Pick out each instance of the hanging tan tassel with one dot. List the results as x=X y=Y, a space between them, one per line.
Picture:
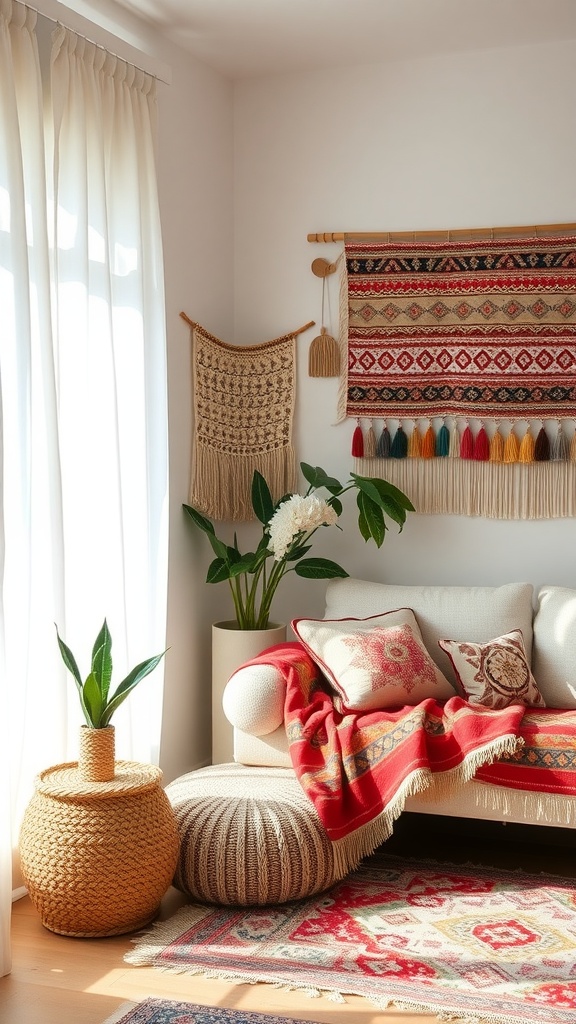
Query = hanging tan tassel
x=511 y=448
x=324 y=356
x=526 y=453
x=370 y=443
x=573 y=448
x=415 y=444
x=497 y=447
x=429 y=444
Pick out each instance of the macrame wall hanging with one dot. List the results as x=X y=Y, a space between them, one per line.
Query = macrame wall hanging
x=461 y=370
x=243 y=412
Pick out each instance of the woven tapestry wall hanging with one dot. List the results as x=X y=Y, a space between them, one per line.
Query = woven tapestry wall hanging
x=243 y=412
x=461 y=371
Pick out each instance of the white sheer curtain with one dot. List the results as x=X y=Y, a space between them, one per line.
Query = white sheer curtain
x=111 y=371
x=83 y=421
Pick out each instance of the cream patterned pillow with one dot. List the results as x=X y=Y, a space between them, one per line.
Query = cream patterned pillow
x=494 y=674
x=379 y=662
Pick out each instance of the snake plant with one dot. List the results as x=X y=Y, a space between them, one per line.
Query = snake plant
x=98 y=705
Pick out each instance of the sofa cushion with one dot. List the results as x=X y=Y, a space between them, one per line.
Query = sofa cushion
x=462 y=613
x=554 y=658
x=494 y=674
x=378 y=662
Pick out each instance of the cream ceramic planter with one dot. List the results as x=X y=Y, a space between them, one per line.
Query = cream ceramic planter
x=231 y=647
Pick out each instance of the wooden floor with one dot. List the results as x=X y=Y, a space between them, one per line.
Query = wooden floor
x=56 y=980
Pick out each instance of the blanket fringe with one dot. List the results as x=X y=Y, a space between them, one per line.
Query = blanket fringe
x=350 y=850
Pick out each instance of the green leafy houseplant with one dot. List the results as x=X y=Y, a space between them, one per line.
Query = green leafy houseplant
x=287 y=528
x=98 y=705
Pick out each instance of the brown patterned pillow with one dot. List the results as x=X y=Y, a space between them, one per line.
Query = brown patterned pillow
x=494 y=674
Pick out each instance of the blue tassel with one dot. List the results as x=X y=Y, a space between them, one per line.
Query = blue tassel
x=399 y=449
x=443 y=441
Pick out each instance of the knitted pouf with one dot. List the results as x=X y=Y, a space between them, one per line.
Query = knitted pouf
x=248 y=836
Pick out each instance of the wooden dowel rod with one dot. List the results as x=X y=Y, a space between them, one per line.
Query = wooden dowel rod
x=305 y=327
x=516 y=231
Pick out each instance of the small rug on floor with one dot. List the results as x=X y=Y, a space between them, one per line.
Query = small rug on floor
x=483 y=944
x=169 y=1011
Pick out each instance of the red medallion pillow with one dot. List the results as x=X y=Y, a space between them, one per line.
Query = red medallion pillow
x=379 y=662
x=494 y=674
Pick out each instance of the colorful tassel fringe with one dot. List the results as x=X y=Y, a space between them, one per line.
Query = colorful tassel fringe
x=479 y=447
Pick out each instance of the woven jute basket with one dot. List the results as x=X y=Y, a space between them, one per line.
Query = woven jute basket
x=97 y=857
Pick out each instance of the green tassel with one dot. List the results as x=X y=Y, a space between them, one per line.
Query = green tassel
x=399 y=449
x=443 y=441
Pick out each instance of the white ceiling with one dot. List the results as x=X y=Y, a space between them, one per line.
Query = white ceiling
x=246 y=38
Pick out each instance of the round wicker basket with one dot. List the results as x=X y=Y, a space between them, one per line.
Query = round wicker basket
x=97 y=857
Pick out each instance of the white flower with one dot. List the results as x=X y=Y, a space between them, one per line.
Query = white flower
x=298 y=515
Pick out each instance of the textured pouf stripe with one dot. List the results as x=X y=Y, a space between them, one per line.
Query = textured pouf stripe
x=248 y=836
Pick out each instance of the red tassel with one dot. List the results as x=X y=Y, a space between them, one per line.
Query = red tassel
x=358 y=443
x=467 y=444
x=481 y=446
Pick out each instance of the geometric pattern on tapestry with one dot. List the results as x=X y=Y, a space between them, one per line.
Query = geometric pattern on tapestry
x=465 y=350
x=483 y=329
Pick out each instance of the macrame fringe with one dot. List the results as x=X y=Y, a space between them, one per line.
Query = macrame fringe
x=497 y=490
x=221 y=485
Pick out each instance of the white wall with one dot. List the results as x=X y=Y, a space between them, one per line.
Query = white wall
x=479 y=139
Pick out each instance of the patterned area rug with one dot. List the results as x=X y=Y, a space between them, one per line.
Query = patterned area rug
x=168 y=1011
x=459 y=941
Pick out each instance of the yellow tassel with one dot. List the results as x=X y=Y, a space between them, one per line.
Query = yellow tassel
x=526 y=453
x=324 y=356
x=429 y=444
x=573 y=448
x=511 y=448
x=497 y=447
x=370 y=443
x=415 y=444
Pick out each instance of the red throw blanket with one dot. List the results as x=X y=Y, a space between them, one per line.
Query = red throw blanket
x=358 y=768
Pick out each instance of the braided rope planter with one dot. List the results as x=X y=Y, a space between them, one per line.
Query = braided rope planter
x=97 y=857
x=248 y=836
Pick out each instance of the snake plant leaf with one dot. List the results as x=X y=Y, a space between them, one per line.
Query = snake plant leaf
x=127 y=685
x=319 y=569
x=261 y=498
x=102 y=660
x=69 y=660
x=93 y=700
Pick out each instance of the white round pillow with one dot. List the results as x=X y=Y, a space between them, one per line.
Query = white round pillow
x=253 y=700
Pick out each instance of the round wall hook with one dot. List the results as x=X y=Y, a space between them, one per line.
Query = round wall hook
x=322 y=267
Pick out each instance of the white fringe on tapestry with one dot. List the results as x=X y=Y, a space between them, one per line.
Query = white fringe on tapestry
x=538 y=490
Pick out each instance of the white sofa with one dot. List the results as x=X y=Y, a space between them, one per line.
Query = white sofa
x=254 y=697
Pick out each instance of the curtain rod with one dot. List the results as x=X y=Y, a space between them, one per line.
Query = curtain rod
x=532 y=230
x=59 y=14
